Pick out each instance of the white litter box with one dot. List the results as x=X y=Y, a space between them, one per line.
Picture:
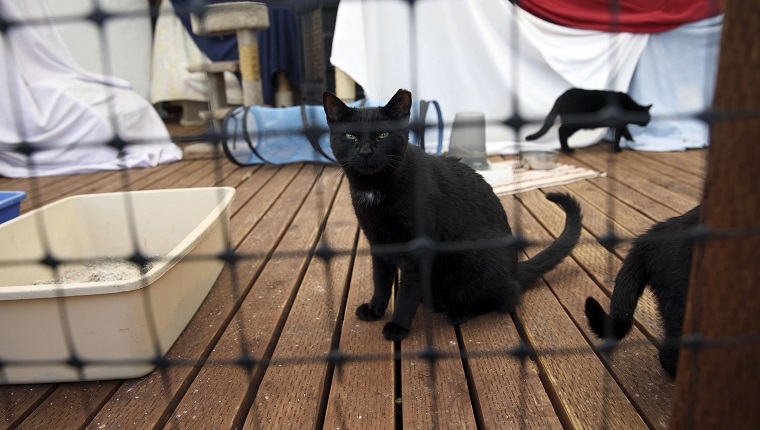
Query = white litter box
x=123 y=324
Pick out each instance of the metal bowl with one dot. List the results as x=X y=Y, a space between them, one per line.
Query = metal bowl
x=539 y=160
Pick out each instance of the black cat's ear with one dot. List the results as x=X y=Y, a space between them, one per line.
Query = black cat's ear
x=648 y=107
x=399 y=105
x=335 y=109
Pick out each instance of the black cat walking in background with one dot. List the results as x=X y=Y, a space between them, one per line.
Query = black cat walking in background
x=661 y=258
x=391 y=181
x=584 y=103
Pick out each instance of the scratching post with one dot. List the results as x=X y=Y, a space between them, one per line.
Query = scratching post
x=345 y=87
x=217 y=88
x=244 y=19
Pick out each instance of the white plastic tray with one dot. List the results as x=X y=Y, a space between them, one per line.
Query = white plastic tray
x=118 y=326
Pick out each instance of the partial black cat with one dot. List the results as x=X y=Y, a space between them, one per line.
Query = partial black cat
x=665 y=266
x=391 y=181
x=577 y=101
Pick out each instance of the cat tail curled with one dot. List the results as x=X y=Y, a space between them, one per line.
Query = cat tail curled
x=528 y=271
x=548 y=122
x=629 y=285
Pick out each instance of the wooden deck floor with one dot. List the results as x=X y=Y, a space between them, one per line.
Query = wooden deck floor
x=285 y=307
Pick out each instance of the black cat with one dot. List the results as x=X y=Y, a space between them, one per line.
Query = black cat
x=576 y=106
x=661 y=257
x=401 y=193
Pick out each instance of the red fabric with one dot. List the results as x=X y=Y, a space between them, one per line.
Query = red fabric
x=632 y=16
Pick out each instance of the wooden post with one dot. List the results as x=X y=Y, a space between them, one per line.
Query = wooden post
x=345 y=87
x=718 y=387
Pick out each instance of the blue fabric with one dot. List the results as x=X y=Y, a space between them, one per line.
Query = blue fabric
x=676 y=74
x=216 y=48
x=262 y=135
x=278 y=50
x=278 y=45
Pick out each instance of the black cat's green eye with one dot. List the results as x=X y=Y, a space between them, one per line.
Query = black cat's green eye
x=350 y=136
x=382 y=135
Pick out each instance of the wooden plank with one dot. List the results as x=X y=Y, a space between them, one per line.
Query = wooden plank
x=18 y=401
x=596 y=221
x=221 y=168
x=362 y=393
x=70 y=406
x=293 y=391
x=609 y=207
x=635 y=364
x=248 y=216
x=684 y=183
x=434 y=396
x=640 y=182
x=112 y=183
x=593 y=257
x=198 y=171
x=631 y=196
x=220 y=395
x=635 y=180
x=577 y=379
x=146 y=402
x=507 y=391
x=655 y=162
x=629 y=164
x=253 y=181
x=46 y=189
x=693 y=161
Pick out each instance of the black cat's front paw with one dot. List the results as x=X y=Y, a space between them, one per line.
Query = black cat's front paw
x=395 y=332
x=366 y=313
x=568 y=150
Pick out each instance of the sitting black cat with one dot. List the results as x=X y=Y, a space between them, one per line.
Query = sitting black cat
x=575 y=105
x=663 y=264
x=401 y=193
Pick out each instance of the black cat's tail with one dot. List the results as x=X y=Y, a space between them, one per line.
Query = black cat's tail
x=548 y=122
x=530 y=270
x=629 y=285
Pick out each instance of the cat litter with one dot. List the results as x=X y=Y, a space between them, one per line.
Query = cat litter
x=99 y=270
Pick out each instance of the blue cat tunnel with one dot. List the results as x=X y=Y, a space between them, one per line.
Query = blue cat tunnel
x=264 y=135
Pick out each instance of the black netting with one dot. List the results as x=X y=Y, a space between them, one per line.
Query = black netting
x=292 y=223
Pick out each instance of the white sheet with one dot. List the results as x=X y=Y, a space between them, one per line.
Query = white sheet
x=66 y=113
x=122 y=49
x=479 y=56
x=676 y=74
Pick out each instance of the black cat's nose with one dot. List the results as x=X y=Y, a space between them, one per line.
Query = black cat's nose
x=366 y=152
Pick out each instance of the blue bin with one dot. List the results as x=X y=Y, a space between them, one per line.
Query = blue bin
x=10 y=202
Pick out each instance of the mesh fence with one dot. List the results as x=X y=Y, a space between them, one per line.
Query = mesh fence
x=315 y=240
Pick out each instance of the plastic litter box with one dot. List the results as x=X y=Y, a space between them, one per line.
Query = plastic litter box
x=10 y=204
x=117 y=328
